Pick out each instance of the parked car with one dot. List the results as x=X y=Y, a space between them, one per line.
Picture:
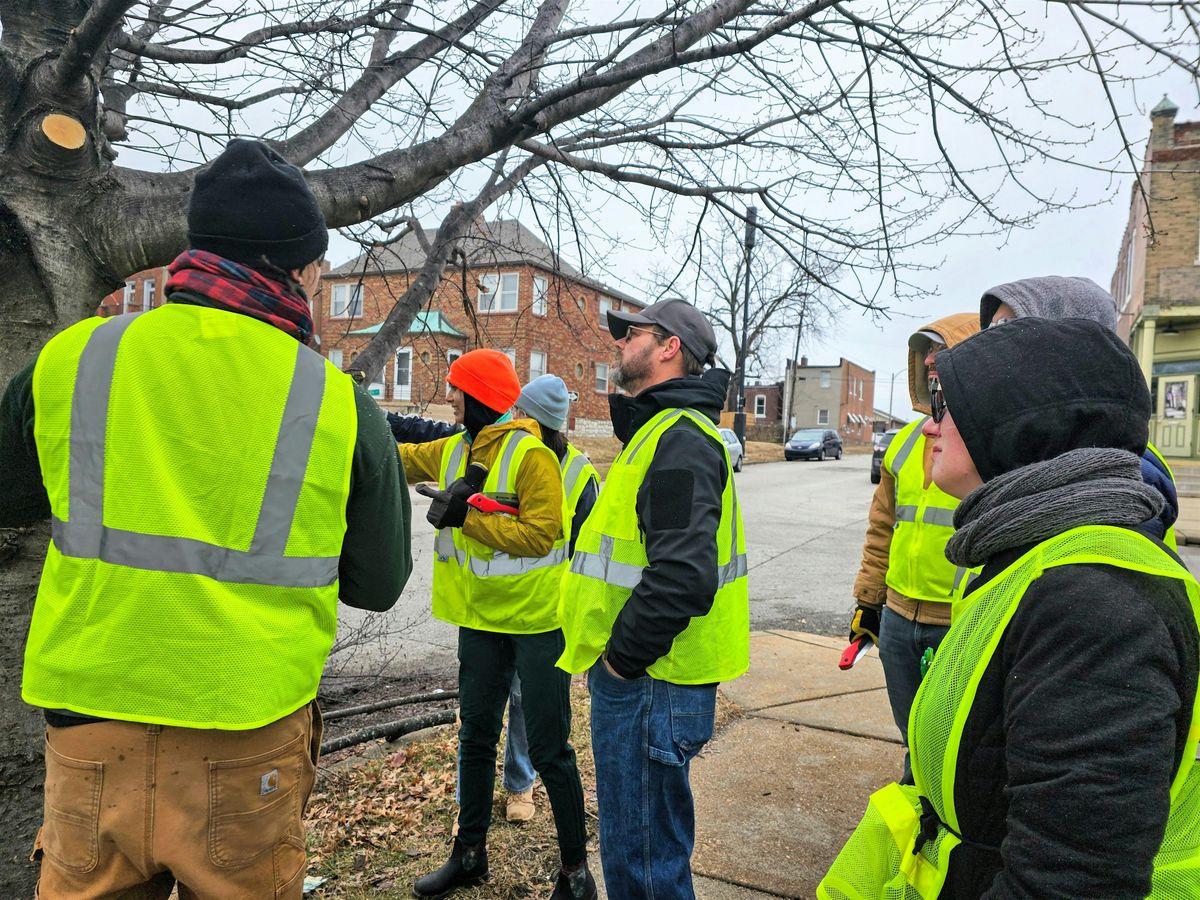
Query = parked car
x=813 y=443
x=734 y=446
x=879 y=445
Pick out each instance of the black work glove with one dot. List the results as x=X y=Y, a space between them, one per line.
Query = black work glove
x=448 y=509
x=865 y=621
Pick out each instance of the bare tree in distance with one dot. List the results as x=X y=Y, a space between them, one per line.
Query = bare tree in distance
x=784 y=297
x=862 y=130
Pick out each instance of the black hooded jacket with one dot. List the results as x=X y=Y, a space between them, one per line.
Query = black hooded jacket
x=678 y=511
x=1079 y=722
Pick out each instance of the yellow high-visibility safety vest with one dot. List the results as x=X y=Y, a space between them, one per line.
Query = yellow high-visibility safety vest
x=879 y=860
x=610 y=555
x=477 y=586
x=917 y=564
x=197 y=463
x=577 y=473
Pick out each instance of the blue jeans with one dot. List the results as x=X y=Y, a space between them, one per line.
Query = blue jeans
x=645 y=733
x=902 y=643
x=519 y=773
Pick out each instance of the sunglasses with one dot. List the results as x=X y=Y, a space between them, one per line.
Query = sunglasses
x=653 y=332
x=937 y=400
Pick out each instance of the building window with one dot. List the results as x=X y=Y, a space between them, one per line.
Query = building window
x=403 y=374
x=760 y=404
x=512 y=355
x=537 y=364
x=602 y=378
x=581 y=303
x=425 y=358
x=335 y=357
x=541 y=288
x=346 y=301
x=605 y=306
x=826 y=379
x=499 y=293
x=148 y=293
x=452 y=355
x=578 y=370
x=127 y=297
x=822 y=417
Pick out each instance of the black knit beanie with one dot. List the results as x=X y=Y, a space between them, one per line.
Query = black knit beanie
x=251 y=204
x=1030 y=390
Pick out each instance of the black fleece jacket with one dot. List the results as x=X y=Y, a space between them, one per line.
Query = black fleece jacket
x=1076 y=732
x=678 y=511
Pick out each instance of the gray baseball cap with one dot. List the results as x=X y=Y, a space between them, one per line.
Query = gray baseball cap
x=677 y=317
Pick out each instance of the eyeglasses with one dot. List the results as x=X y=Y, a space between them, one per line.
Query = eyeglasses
x=653 y=332
x=937 y=400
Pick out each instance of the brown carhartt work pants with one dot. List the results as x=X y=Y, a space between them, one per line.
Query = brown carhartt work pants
x=132 y=809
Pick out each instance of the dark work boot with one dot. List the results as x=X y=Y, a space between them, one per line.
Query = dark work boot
x=577 y=885
x=467 y=867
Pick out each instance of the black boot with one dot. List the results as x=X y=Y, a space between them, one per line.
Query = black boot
x=577 y=885
x=467 y=867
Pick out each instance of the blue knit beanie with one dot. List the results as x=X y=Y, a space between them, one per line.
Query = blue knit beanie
x=545 y=399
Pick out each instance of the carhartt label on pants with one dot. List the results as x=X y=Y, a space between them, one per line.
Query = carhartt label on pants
x=269 y=783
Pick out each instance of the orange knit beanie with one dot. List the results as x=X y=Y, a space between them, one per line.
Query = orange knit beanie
x=488 y=376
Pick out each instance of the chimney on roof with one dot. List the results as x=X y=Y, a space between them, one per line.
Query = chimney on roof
x=1162 y=125
x=803 y=361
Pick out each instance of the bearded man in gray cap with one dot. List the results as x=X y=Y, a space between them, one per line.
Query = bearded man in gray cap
x=655 y=606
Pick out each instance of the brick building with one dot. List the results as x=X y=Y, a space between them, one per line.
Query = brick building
x=840 y=396
x=1157 y=286
x=142 y=291
x=509 y=291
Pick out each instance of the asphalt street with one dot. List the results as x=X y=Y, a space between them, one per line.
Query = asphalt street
x=804 y=529
x=805 y=523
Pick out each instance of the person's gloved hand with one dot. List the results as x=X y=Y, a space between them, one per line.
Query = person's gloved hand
x=447 y=509
x=865 y=621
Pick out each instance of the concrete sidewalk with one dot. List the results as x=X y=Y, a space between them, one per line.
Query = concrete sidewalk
x=780 y=789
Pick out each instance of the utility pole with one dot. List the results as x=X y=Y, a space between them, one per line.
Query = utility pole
x=791 y=385
x=739 y=417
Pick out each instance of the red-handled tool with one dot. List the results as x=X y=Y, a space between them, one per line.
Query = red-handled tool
x=855 y=651
x=486 y=504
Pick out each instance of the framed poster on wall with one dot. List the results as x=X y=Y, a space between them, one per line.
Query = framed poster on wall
x=1175 y=400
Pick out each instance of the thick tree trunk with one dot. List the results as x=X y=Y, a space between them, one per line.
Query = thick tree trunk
x=21 y=554
x=46 y=288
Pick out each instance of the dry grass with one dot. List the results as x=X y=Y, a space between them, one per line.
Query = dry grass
x=374 y=828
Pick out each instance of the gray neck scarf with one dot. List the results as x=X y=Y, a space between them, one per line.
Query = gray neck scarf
x=1089 y=486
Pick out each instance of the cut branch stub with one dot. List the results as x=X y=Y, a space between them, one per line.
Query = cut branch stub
x=64 y=131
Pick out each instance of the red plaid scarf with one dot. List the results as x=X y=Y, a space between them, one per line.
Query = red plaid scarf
x=228 y=285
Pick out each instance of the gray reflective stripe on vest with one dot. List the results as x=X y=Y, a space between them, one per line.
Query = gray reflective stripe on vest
x=667 y=421
x=503 y=564
x=935 y=515
x=443 y=538
x=503 y=484
x=572 y=473
x=902 y=454
x=85 y=536
x=456 y=457
x=961 y=572
x=603 y=567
